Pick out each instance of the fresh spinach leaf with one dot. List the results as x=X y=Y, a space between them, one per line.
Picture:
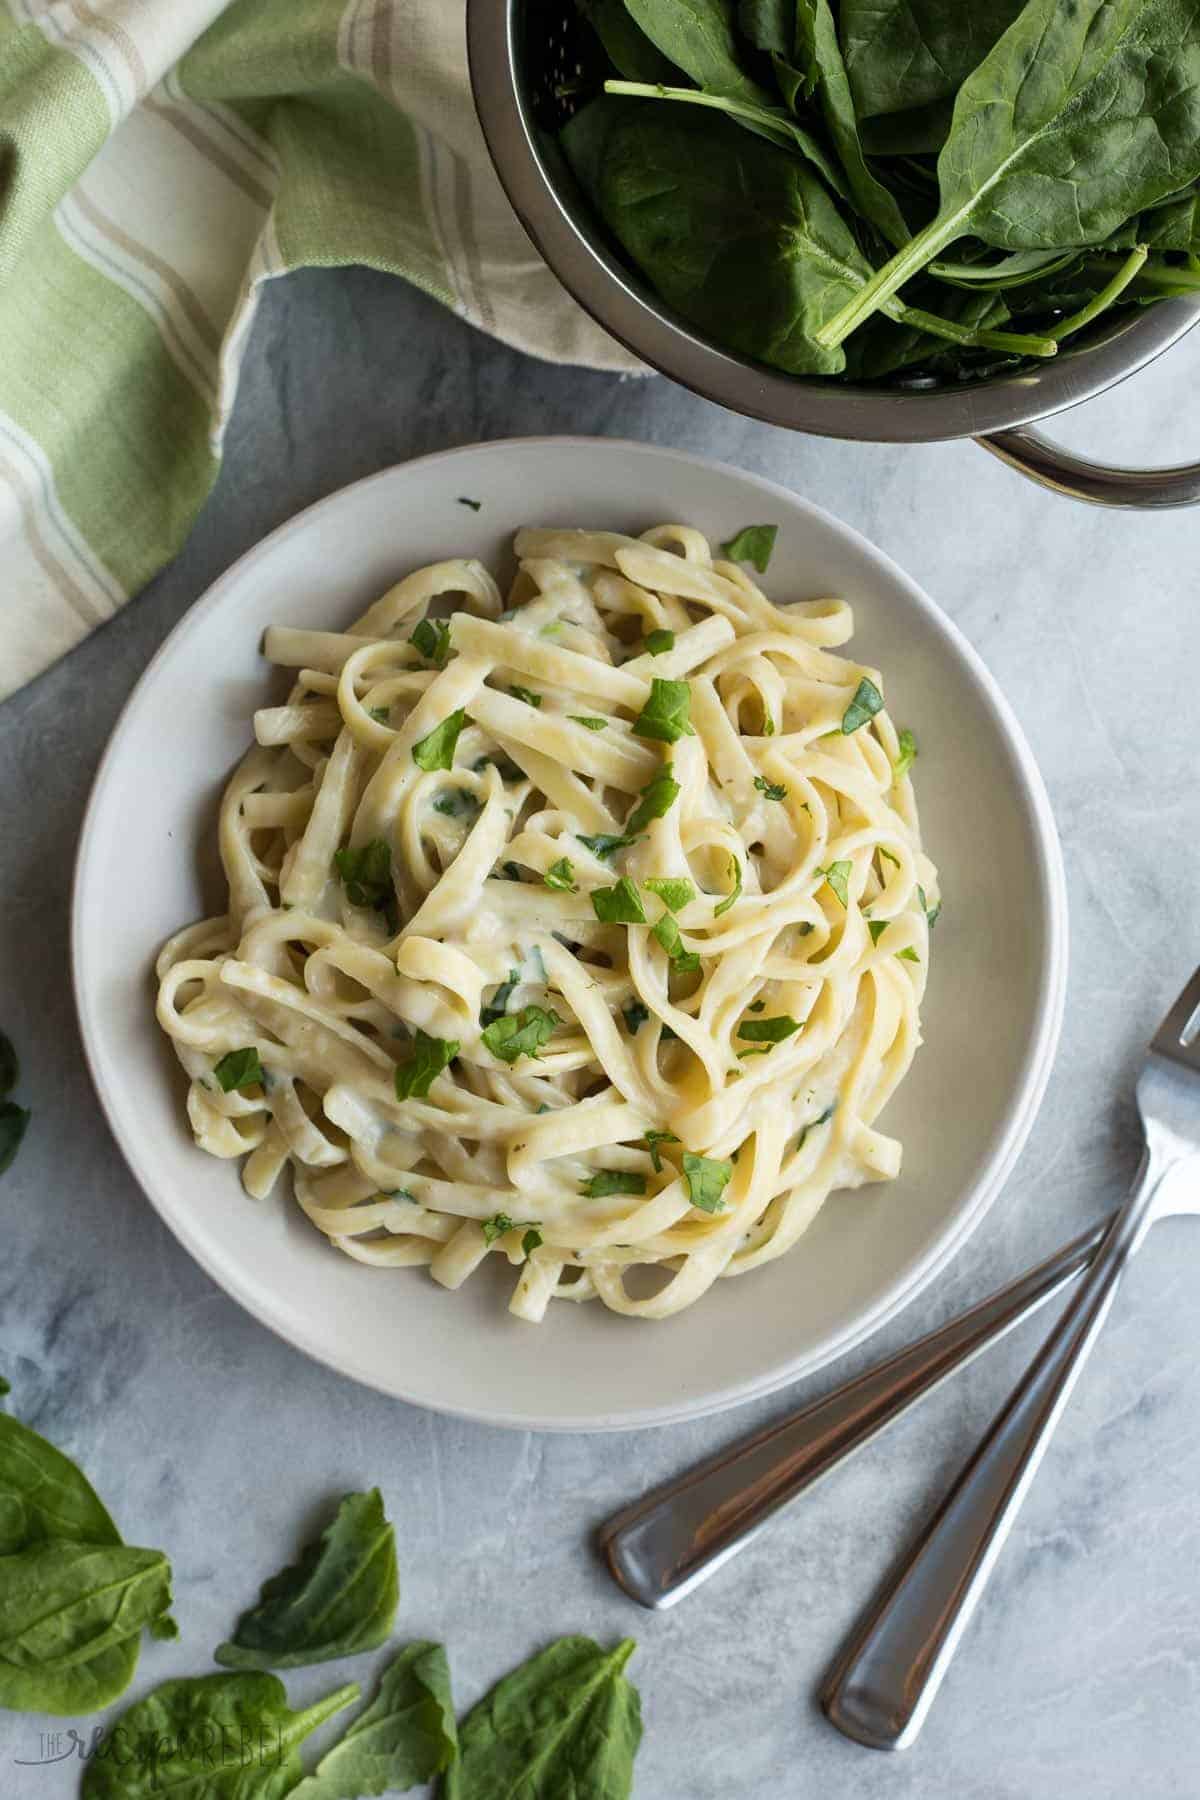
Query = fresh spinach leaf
x=567 y=1722
x=71 y=1615
x=210 y=1737
x=820 y=50
x=1072 y=123
x=44 y=1496
x=905 y=54
x=698 y=37
x=340 y=1598
x=769 y=25
x=666 y=930
x=528 y=695
x=628 y=47
x=405 y=1736
x=561 y=875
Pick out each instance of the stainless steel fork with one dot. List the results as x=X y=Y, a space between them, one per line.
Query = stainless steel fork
x=882 y=1685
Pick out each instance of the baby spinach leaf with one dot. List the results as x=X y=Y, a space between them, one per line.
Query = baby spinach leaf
x=628 y=47
x=697 y=36
x=208 y=1737
x=1078 y=117
x=567 y=1722
x=817 y=35
x=903 y=54
x=774 y=123
x=44 y=1496
x=339 y=1599
x=70 y=1619
x=769 y=24
x=733 y=232
x=405 y=1736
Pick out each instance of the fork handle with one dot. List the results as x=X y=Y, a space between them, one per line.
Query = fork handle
x=883 y=1683
x=666 y=1543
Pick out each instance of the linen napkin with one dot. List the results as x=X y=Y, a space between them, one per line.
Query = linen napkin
x=160 y=160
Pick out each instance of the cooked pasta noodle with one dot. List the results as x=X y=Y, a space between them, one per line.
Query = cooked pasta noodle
x=585 y=928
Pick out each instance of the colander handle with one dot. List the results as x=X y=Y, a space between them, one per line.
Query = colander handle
x=1103 y=484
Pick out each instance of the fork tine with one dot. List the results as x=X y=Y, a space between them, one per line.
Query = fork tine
x=1179 y=1034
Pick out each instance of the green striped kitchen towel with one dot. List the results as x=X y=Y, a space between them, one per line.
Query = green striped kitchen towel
x=161 y=159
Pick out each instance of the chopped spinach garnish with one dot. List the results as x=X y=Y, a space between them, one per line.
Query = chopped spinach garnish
x=613 y=1181
x=561 y=875
x=635 y=1014
x=239 y=1069
x=866 y=703
x=589 y=721
x=619 y=905
x=497 y=1226
x=521 y=1033
x=707 y=1178
x=906 y=754
x=674 y=894
x=381 y=714
x=877 y=927
x=757 y=1007
x=932 y=913
x=652 y=1139
x=464 y=500
x=908 y=954
x=665 y=715
x=528 y=695
x=497 y=1006
x=659 y=642
x=887 y=856
x=768 y=1031
x=436 y=749
x=366 y=874
x=753 y=544
x=731 y=896
x=432 y=638
x=823 y=1120
x=533 y=1240
x=605 y=844
x=658 y=797
x=771 y=790
x=666 y=930
x=457 y=803
x=430 y=1056
x=838 y=876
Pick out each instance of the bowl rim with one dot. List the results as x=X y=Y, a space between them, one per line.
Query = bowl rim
x=999 y=1155
x=629 y=311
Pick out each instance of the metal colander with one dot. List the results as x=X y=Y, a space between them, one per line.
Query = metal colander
x=533 y=62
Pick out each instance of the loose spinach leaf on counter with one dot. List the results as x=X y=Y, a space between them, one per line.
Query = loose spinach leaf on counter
x=567 y=1722
x=208 y=1737
x=405 y=1736
x=71 y=1616
x=339 y=1599
x=44 y=1496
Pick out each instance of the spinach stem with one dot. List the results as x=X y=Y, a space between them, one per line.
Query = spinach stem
x=1014 y=342
x=906 y=263
x=1128 y=271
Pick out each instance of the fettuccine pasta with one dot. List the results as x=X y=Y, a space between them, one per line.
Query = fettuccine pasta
x=584 y=927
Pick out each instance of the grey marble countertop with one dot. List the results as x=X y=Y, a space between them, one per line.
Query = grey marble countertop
x=1081 y=1671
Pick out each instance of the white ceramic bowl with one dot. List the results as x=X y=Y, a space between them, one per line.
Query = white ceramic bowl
x=991 y=1016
